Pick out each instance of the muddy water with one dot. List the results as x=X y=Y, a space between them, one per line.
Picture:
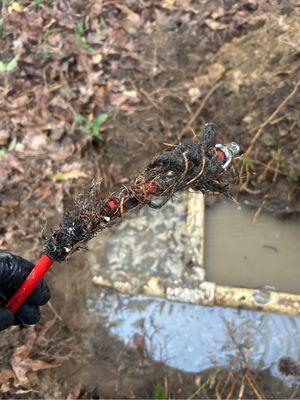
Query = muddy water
x=193 y=338
x=242 y=253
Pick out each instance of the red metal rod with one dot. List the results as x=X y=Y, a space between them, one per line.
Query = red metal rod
x=30 y=283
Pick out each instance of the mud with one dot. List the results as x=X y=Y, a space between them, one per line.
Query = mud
x=185 y=63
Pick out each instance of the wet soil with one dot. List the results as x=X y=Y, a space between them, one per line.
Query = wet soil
x=160 y=70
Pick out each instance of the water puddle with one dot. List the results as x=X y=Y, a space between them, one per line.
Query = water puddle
x=241 y=253
x=194 y=338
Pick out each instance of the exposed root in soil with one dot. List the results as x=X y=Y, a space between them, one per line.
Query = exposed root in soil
x=271 y=118
x=259 y=131
x=194 y=165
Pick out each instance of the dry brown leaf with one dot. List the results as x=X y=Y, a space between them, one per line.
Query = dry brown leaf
x=169 y=4
x=13 y=163
x=132 y=22
x=21 y=363
x=5 y=376
x=218 y=13
x=186 y=6
x=129 y=97
x=35 y=141
x=194 y=94
x=97 y=58
x=4 y=136
x=21 y=101
x=65 y=176
x=216 y=71
x=59 y=151
x=214 y=25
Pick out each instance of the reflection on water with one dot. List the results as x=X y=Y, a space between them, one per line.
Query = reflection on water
x=193 y=338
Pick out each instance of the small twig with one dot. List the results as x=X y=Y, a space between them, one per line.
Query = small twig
x=149 y=98
x=56 y=315
x=228 y=379
x=200 y=173
x=260 y=208
x=271 y=117
x=256 y=215
x=199 y=109
x=241 y=391
x=232 y=388
x=206 y=383
x=264 y=173
x=256 y=389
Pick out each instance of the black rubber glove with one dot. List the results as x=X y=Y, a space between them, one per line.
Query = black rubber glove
x=13 y=271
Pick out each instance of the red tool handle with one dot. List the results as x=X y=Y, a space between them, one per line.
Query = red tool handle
x=30 y=283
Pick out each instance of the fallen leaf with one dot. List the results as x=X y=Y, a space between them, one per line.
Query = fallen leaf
x=214 y=25
x=130 y=93
x=97 y=58
x=216 y=71
x=35 y=141
x=15 y=7
x=65 y=176
x=194 y=94
x=218 y=13
x=127 y=97
x=4 y=135
x=59 y=151
x=14 y=164
x=169 y=4
x=132 y=22
x=10 y=66
x=12 y=144
x=21 y=363
x=5 y=376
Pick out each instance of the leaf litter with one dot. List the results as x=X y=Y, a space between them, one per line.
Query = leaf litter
x=155 y=69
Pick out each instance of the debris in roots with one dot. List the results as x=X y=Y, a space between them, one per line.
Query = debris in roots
x=195 y=165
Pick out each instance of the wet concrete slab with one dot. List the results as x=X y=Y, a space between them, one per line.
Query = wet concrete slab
x=157 y=252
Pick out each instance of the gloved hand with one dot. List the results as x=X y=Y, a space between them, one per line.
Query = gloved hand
x=13 y=271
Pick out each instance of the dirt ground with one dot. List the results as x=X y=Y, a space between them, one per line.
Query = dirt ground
x=92 y=90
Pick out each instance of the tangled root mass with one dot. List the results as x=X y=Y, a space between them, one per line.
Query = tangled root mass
x=193 y=165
